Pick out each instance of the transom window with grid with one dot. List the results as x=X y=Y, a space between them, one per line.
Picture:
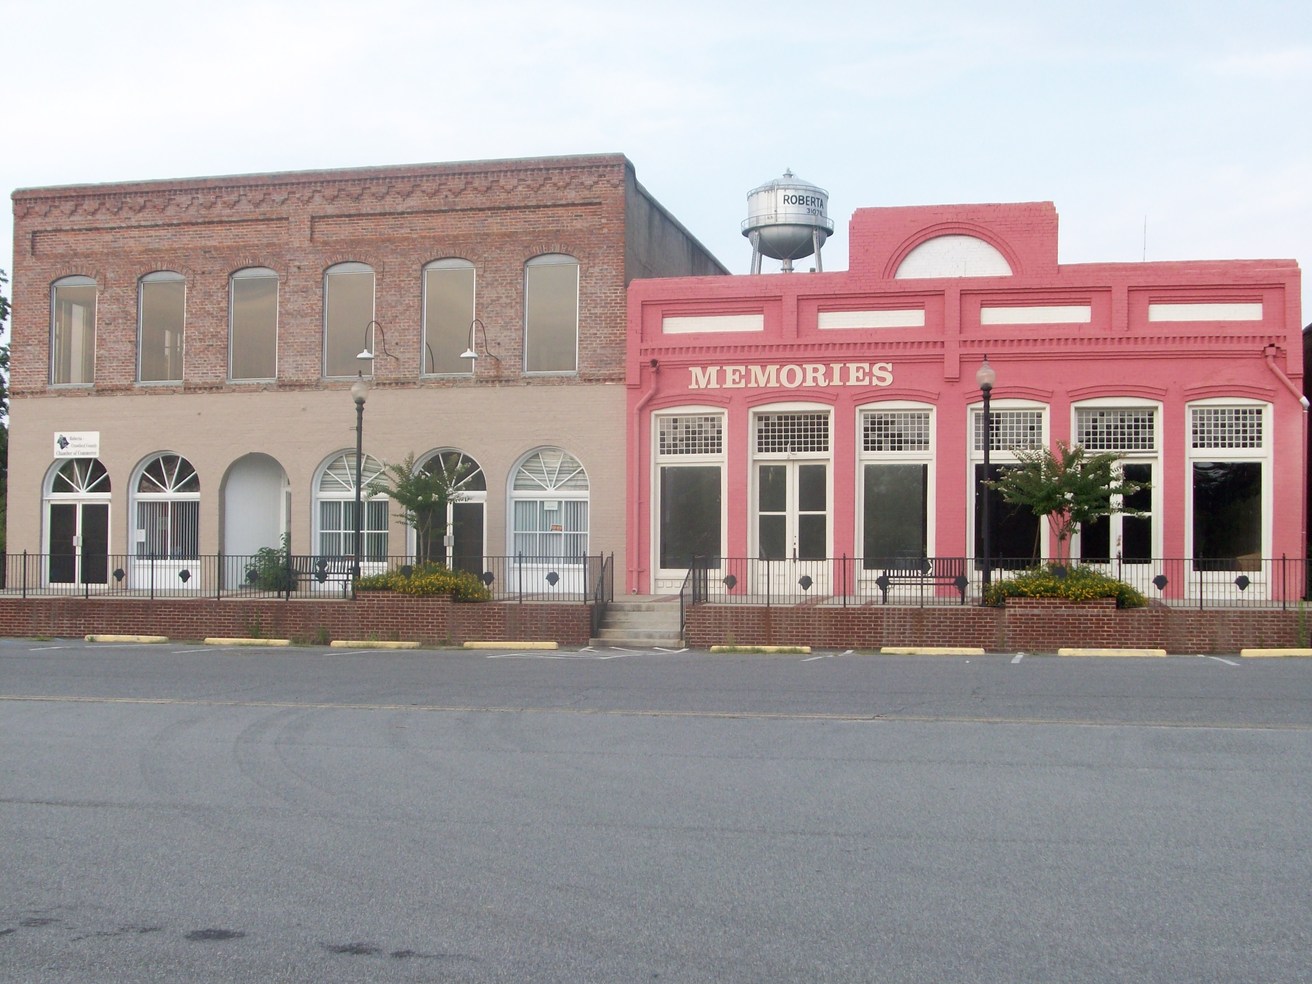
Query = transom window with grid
x=690 y=434
x=895 y=430
x=1116 y=429
x=1226 y=428
x=792 y=433
x=1010 y=429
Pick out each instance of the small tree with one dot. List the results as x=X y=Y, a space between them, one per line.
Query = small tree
x=423 y=495
x=1068 y=486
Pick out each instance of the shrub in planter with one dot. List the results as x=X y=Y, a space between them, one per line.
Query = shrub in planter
x=270 y=569
x=1068 y=584
x=428 y=581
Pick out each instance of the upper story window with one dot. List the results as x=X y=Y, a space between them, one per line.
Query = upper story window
x=348 y=307
x=551 y=314
x=448 y=313
x=161 y=307
x=73 y=331
x=253 y=324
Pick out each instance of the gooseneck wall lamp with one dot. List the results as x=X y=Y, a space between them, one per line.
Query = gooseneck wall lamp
x=373 y=331
x=471 y=352
x=985 y=377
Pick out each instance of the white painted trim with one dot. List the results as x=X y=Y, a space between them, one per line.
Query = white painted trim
x=1051 y=314
x=1205 y=312
x=716 y=323
x=901 y=318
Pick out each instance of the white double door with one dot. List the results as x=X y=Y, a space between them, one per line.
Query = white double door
x=792 y=527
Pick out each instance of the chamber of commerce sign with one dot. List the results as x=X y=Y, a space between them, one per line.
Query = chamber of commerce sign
x=791 y=375
x=77 y=444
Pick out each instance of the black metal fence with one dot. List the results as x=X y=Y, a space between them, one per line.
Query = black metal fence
x=930 y=581
x=273 y=574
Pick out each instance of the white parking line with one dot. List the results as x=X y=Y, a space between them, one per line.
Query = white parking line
x=1018 y=657
x=1227 y=662
x=582 y=654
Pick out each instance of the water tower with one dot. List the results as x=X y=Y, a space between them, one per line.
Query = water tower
x=787 y=219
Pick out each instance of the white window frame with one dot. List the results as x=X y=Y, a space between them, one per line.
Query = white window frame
x=461 y=328
x=672 y=578
x=564 y=485
x=252 y=273
x=161 y=276
x=334 y=481
x=783 y=576
x=468 y=496
x=85 y=334
x=1224 y=578
x=551 y=259
x=1131 y=456
x=999 y=456
x=351 y=268
x=911 y=457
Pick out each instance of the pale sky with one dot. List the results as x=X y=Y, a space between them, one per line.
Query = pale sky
x=1162 y=130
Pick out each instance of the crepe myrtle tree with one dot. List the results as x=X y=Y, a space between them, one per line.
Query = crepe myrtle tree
x=1069 y=486
x=423 y=493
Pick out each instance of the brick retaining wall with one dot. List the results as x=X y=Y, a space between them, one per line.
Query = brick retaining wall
x=1024 y=625
x=381 y=616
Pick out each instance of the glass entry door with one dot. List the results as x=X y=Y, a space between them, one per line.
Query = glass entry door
x=79 y=543
x=792 y=527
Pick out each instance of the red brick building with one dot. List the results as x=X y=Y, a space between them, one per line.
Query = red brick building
x=183 y=354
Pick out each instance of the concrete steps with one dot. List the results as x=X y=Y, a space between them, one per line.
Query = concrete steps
x=641 y=622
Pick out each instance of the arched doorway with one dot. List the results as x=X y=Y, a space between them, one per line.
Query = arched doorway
x=256 y=512
x=77 y=523
x=463 y=522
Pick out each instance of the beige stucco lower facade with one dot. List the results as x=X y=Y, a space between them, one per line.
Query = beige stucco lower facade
x=301 y=432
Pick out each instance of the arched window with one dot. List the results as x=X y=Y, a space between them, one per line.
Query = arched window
x=161 y=315
x=549 y=500
x=73 y=331
x=953 y=256
x=166 y=503
x=551 y=314
x=335 y=509
x=348 y=307
x=448 y=313
x=463 y=521
x=253 y=324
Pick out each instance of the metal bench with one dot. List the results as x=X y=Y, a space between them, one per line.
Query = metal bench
x=321 y=570
x=948 y=572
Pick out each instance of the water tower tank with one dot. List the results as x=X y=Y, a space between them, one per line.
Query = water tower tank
x=787 y=219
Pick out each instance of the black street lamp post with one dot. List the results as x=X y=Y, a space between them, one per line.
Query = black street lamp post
x=359 y=393
x=985 y=377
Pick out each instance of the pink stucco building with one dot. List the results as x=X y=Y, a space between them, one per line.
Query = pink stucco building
x=832 y=422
